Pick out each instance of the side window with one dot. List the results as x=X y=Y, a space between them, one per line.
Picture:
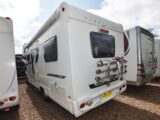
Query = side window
x=32 y=61
x=32 y=57
x=51 y=50
x=37 y=54
x=102 y=45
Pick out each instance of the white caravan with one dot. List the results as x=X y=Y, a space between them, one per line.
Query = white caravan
x=139 y=53
x=157 y=54
x=76 y=59
x=8 y=79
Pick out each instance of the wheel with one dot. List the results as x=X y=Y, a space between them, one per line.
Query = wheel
x=26 y=79
x=46 y=98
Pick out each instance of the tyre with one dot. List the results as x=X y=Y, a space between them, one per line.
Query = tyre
x=46 y=98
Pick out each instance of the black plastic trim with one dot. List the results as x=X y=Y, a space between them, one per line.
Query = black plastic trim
x=56 y=75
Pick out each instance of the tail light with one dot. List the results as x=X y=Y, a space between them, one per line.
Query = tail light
x=5 y=100
x=7 y=109
x=140 y=65
x=104 y=30
x=1 y=103
x=140 y=68
x=12 y=98
x=82 y=105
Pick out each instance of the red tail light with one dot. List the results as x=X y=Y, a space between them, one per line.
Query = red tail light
x=5 y=100
x=140 y=65
x=82 y=105
x=7 y=109
x=1 y=103
x=12 y=98
x=140 y=69
x=104 y=30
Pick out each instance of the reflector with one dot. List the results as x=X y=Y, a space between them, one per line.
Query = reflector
x=82 y=105
x=12 y=98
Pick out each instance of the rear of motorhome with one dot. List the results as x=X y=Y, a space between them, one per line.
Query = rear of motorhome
x=76 y=59
x=8 y=87
x=157 y=54
x=140 y=54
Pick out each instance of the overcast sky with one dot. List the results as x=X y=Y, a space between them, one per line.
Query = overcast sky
x=29 y=15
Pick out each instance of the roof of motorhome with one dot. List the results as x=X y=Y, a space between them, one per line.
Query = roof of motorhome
x=78 y=14
x=5 y=26
x=157 y=39
x=143 y=30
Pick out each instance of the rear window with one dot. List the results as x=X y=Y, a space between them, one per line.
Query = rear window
x=102 y=45
x=50 y=50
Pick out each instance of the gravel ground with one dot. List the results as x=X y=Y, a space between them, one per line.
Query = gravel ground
x=135 y=104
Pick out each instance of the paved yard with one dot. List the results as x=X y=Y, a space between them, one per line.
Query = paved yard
x=135 y=104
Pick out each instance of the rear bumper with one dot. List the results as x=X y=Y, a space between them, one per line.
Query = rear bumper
x=9 y=108
x=97 y=100
x=10 y=104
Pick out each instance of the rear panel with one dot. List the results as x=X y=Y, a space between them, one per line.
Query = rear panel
x=8 y=85
x=84 y=63
x=147 y=48
x=157 y=54
x=140 y=56
x=131 y=55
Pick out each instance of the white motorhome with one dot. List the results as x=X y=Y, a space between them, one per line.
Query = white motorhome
x=76 y=59
x=9 y=86
x=140 y=54
x=157 y=54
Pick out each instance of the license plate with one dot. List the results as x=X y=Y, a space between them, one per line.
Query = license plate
x=106 y=94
